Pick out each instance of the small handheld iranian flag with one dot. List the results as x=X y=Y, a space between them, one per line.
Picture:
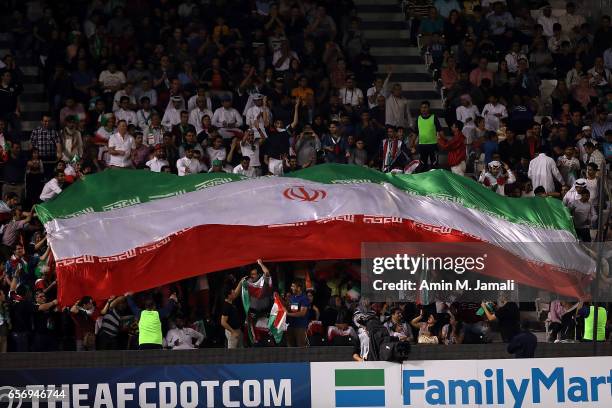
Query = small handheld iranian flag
x=277 y=323
x=252 y=293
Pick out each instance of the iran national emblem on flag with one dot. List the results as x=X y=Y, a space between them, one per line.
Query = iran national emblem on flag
x=277 y=322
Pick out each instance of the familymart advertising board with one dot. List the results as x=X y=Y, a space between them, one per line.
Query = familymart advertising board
x=569 y=382
x=560 y=382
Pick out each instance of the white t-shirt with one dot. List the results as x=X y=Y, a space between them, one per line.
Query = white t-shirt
x=127 y=115
x=216 y=154
x=230 y=116
x=156 y=164
x=464 y=113
x=50 y=190
x=372 y=91
x=250 y=172
x=187 y=166
x=125 y=144
x=253 y=113
x=489 y=111
x=252 y=151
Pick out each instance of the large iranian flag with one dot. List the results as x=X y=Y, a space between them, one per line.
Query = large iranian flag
x=131 y=230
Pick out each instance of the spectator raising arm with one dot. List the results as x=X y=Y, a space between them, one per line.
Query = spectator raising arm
x=111 y=303
x=264 y=268
x=415 y=322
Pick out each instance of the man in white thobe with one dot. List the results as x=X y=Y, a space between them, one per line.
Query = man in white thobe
x=172 y=115
x=196 y=114
x=543 y=171
x=227 y=119
x=574 y=192
x=255 y=114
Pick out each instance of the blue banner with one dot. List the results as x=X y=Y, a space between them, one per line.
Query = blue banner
x=232 y=385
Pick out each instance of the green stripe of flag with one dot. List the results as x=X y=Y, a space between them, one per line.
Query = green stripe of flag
x=360 y=377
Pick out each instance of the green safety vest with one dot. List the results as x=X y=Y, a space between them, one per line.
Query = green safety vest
x=602 y=318
x=149 y=328
x=427 y=130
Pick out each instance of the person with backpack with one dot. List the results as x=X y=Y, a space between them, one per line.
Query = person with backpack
x=382 y=346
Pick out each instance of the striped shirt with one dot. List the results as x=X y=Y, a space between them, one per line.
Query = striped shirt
x=111 y=323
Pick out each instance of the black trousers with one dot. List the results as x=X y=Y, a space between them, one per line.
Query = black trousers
x=428 y=154
x=149 y=346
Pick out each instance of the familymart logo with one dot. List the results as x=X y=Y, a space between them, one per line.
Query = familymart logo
x=360 y=387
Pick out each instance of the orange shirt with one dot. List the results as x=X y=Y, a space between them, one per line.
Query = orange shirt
x=302 y=93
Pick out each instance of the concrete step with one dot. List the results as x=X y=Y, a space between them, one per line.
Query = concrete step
x=34 y=106
x=387 y=34
x=33 y=88
x=409 y=77
x=382 y=25
x=400 y=60
x=30 y=70
x=30 y=115
x=395 y=16
x=395 y=51
x=375 y=2
x=386 y=42
x=402 y=69
x=415 y=104
x=378 y=8
x=418 y=86
x=33 y=98
x=29 y=125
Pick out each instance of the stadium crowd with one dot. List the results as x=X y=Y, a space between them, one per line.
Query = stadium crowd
x=263 y=87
